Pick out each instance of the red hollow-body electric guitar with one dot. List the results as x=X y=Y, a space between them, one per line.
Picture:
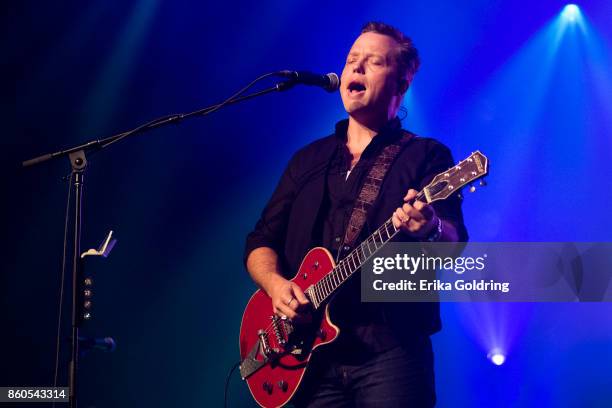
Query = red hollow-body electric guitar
x=274 y=352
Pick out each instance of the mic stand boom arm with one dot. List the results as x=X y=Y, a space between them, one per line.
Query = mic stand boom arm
x=98 y=144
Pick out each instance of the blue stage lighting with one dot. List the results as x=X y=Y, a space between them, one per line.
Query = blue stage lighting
x=497 y=357
x=570 y=12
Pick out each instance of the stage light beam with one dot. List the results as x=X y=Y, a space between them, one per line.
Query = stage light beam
x=497 y=357
x=570 y=12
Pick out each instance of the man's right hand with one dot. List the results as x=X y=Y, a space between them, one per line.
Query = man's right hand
x=288 y=299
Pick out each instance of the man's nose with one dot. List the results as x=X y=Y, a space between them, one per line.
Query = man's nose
x=358 y=67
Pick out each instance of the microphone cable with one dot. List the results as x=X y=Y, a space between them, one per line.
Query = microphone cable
x=61 y=293
x=180 y=116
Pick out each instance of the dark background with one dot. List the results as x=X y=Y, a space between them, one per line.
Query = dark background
x=518 y=80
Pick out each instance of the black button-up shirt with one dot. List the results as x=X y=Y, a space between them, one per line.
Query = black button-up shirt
x=311 y=206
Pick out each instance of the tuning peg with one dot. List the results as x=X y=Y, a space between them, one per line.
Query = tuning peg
x=482 y=182
x=472 y=188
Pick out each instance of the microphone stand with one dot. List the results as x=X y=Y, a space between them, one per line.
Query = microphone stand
x=78 y=162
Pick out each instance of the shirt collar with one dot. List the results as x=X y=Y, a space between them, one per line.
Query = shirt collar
x=387 y=134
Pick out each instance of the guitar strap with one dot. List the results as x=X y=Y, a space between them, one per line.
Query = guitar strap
x=371 y=187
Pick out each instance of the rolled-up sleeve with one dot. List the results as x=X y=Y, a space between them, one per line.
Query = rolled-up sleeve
x=271 y=228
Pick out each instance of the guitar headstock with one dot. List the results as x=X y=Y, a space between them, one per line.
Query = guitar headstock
x=465 y=172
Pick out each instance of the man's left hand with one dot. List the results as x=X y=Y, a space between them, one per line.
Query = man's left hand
x=416 y=220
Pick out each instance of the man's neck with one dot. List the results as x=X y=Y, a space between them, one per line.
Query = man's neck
x=360 y=134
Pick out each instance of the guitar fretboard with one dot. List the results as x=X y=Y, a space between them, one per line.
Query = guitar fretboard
x=321 y=291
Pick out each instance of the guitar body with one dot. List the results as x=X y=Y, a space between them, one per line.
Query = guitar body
x=275 y=353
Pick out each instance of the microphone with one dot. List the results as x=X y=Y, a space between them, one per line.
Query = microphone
x=98 y=343
x=330 y=82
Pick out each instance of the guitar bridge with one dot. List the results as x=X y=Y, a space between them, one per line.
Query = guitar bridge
x=282 y=329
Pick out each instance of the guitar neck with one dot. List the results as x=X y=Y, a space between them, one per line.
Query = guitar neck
x=448 y=182
x=323 y=289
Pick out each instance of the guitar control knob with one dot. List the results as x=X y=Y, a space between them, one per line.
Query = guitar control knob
x=267 y=387
x=321 y=334
x=282 y=384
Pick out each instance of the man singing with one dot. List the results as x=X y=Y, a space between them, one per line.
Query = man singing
x=383 y=355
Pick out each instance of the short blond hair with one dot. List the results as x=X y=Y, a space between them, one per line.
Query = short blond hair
x=408 y=57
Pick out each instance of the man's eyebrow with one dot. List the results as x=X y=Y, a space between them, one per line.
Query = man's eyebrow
x=369 y=54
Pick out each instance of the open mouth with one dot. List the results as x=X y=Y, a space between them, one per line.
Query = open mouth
x=355 y=87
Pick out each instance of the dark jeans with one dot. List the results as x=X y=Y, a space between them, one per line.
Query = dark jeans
x=400 y=377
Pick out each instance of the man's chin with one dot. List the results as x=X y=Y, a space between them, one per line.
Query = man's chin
x=355 y=107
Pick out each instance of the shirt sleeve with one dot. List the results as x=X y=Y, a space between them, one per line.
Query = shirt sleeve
x=271 y=228
x=439 y=159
